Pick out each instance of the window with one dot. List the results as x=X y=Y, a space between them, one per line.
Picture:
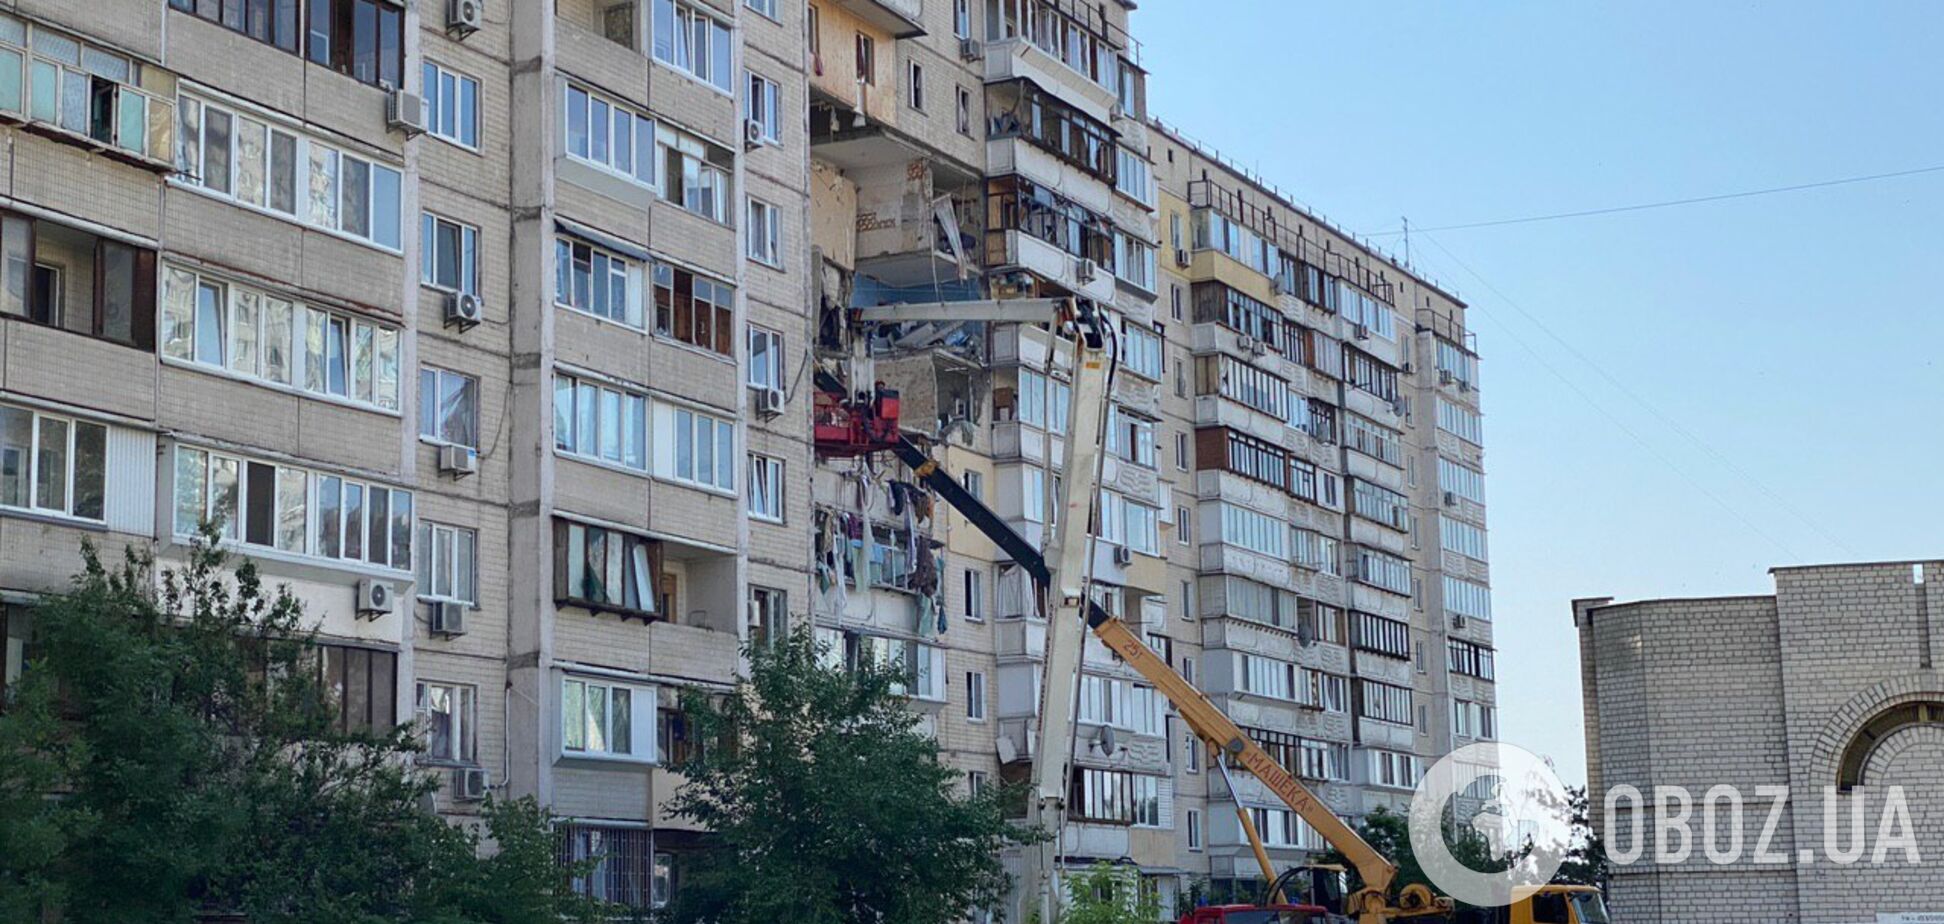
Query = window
x=1033 y=495
x=975 y=696
x=1130 y=438
x=1181 y=451
x=292 y=509
x=257 y=335
x=690 y=40
x=448 y=711
x=1319 y=621
x=765 y=7
x=1473 y=720
x=1464 y=598
x=962 y=111
x=701 y=448
x=1461 y=422
x=974 y=484
x=1382 y=569
x=694 y=309
x=1216 y=231
x=1395 y=770
x=271 y=21
x=607 y=571
x=1469 y=659
x=1323 y=760
x=1240 y=382
x=1134 y=263
x=1237 y=452
x=1140 y=351
x=1379 y=504
x=1461 y=537
x=762 y=104
x=1184 y=526
x=17 y=648
x=110 y=286
x=769 y=616
x=1032 y=398
x=977 y=782
x=962 y=18
x=1014 y=203
x=596 y=281
x=928 y=664
x=766 y=360
x=359 y=38
x=765 y=488
x=52 y=464
x=600 y=423
x=1382 y=702
x=448 y=407
x=1266 y=676
x=1364 y=371
x=1253 y=530
x=1147 y=801
x=602 y=718
x=1134 y=177
x=1465 y=482
x=915 y=86
x=365 y=683
x=1258 y=602
x=866 y=60
x=1328 y=692
x=1457 y=363
x=602 y=132
x=764 y=233
x=448 y=567
x=1365 y=311
x=974 y=595
x=449 y=257
x=626 y=874
x=232 y=155
x=452 y=105
x=1102 y=796
x=1380 y=635
x=1194 y=826
x=1316 y=551
x=1371 y=439
x=82 y=89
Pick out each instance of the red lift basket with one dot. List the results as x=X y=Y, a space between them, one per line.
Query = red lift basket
x=865 y=424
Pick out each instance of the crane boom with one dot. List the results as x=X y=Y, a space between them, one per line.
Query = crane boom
x=1371 y=904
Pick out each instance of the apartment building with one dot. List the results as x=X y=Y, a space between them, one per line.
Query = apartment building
x=519 y=339
x=474 y=323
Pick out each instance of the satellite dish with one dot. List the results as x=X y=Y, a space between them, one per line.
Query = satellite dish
x=1106 y=739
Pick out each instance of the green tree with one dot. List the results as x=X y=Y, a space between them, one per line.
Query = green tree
x=190 y=747
x=1389 y=833
x=1106 y=894
x=828 y=803
x=1586 y=862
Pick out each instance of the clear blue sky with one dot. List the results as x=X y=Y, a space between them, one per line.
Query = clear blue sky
x=1764 y=384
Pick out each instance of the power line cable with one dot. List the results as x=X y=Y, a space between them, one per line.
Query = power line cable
x=1672 y=424
x=1613 y=419
x=1667 y=203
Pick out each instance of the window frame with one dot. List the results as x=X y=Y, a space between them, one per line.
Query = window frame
x=627 y=398
x=465 y=263
x=464 y=735
x=428 y=538
x=236 y=530
x=771 y=470
x=612 y=109
x=434 y=74
x=771 y=228
x=30 y=480
x=469 y=386
x=642 y=736
x=765 y=107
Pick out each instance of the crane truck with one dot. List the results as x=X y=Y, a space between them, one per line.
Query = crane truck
x=1074 y=612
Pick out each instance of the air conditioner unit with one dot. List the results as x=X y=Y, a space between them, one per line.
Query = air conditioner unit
x=970 y=49
x=1261 y=348
x=1181 y=258
x=1362 y=331
x=1245 y=343
x=458 y=461
x=464 y=17
x=1123 y=556
x=469 y=784
x=374 y=598
x=1450 y=499
x=448 y=618
x=1409 y=368
x=752 y=134
x=766 y=401
x=405 y=112
x=464 y=310
x=1084 y=270
x=1457 y=621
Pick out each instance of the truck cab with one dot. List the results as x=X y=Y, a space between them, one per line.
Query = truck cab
x=1255 y=914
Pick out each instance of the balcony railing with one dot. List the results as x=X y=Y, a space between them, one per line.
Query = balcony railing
x=1021 y=110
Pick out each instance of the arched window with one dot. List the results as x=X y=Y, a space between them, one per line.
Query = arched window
x=1886 y=723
